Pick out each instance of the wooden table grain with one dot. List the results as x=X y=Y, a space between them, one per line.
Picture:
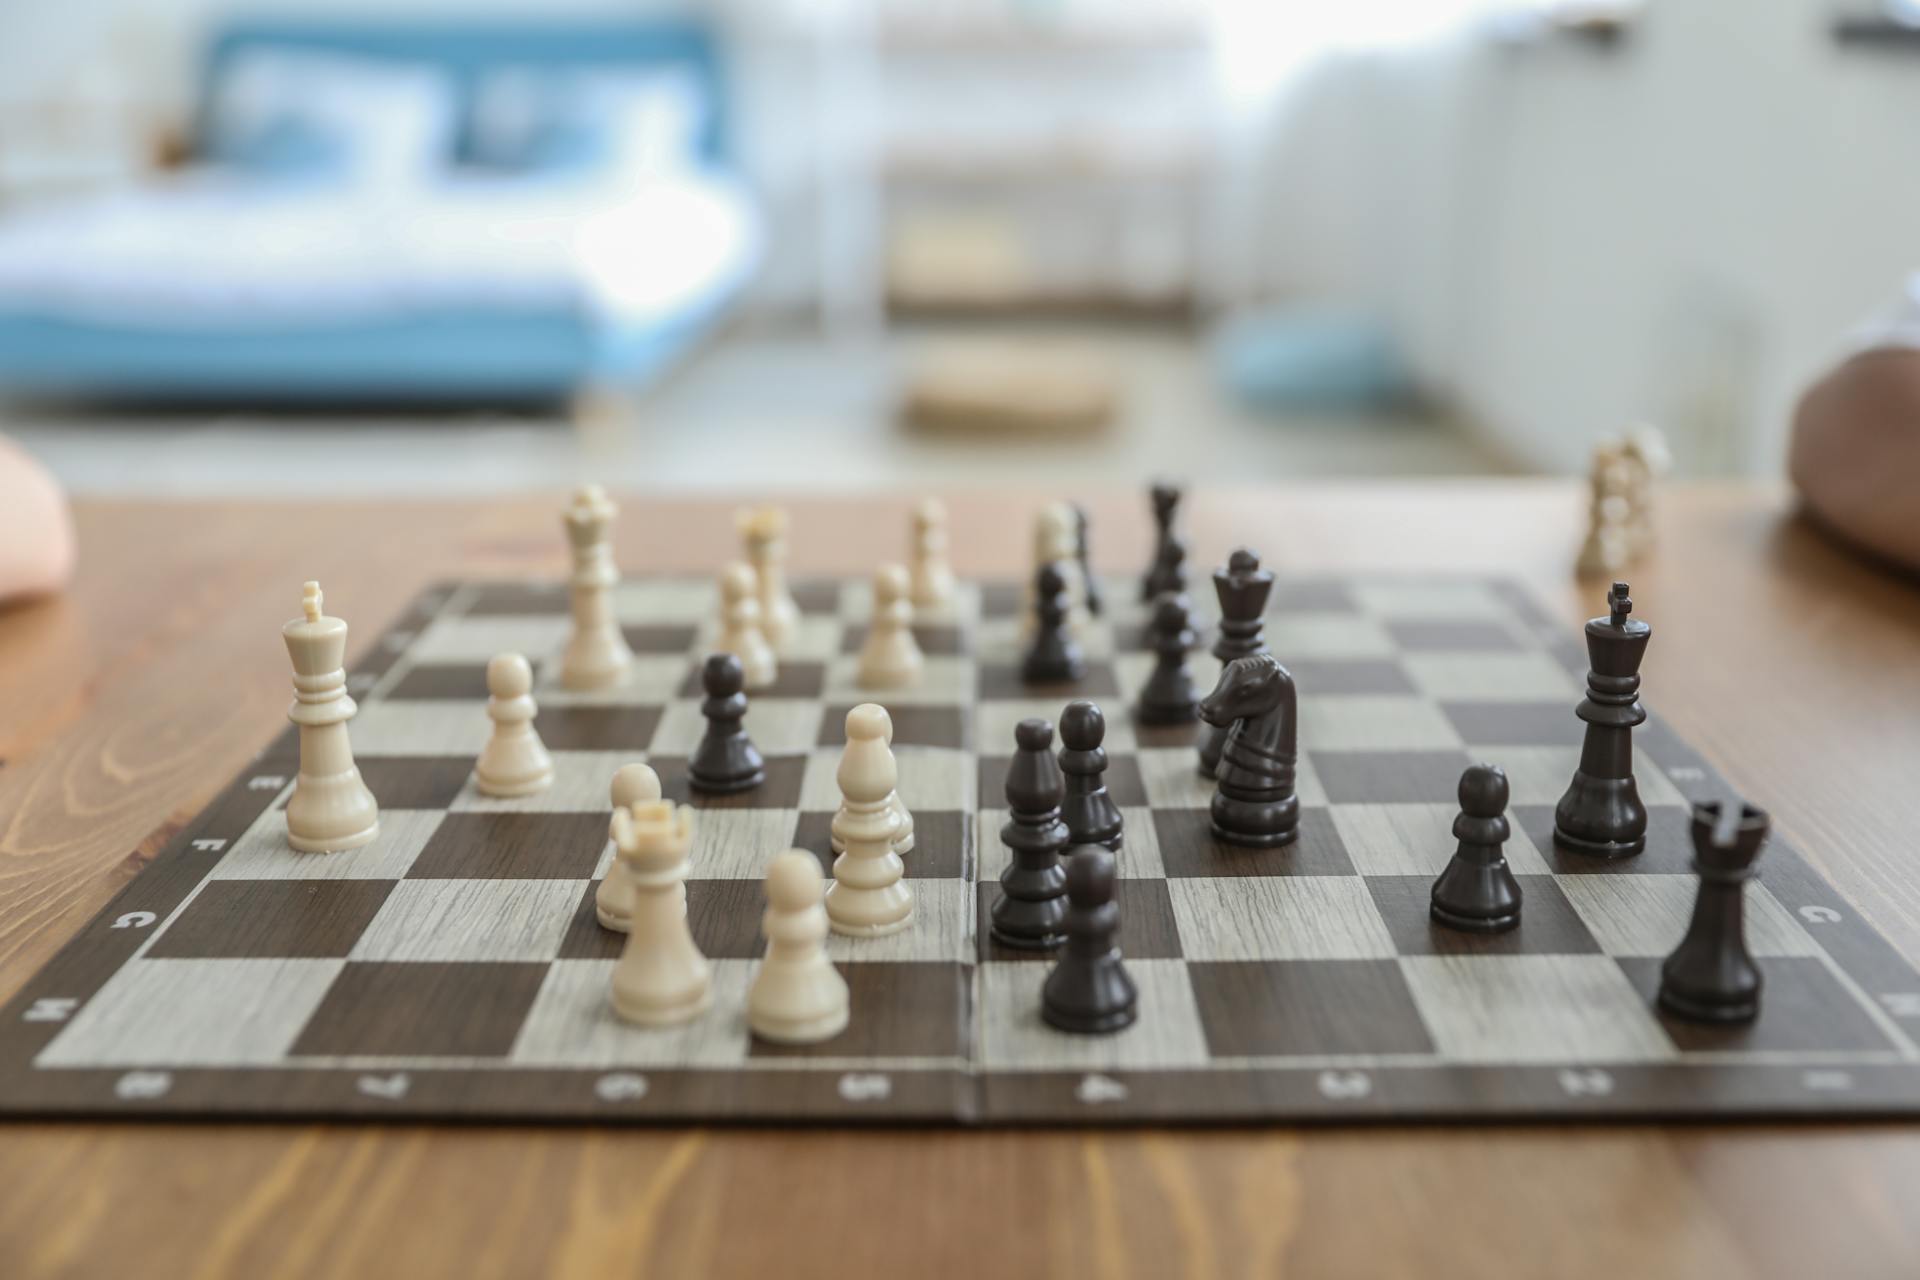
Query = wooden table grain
x=126 y=703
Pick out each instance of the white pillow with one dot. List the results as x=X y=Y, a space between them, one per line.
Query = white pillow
x=535 y=118
x=376 y=122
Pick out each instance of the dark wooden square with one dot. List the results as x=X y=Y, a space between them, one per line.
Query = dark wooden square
x=610 y=728
x=1390 y=777
x=912 y=726
x=1322 y=676
x=1169 y=735
x=273 y=918
x=1304 y=1007
x=423 y=1009
x=781 y=790
x=461 y=681
x=939 y=843
x=513 y=846
x=724 y=917
x=1803 y=1009
x=1514 y=724
x=650 y=637
x=1002 y=682
x=1450 y=633
x=936 y=639
x=816 y=595
x=790 y=680
x=1549 y=925
x=516 y=598
x=1148 y=929
x=901 y=1009
x=585 y=939
x=1669 y=848
x=1187 y=848
x=415 y=782
x=1001 y=599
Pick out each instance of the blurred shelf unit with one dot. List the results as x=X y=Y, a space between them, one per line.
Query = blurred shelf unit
x=1042 y=162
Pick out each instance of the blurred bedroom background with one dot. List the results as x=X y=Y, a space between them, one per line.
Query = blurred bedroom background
x=253 y=247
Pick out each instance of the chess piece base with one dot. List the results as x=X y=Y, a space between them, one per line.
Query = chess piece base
x=1475 y=924
x=727 y=786
x=510 y=788
x=653 y=1014
x=1100 y=1024
x=1253 y=824
x=336 y=844
x=1043 y=942
x=1607 y=850
x=1724 y=1012
x=879 y=929
x=332 y=813
x=800 y=1030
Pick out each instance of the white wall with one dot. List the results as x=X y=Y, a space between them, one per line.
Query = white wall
x=1571 y=239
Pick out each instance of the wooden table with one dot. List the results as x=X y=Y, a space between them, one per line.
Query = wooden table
x=124 y=705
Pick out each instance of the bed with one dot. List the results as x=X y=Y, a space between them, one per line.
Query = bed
x=449 y=266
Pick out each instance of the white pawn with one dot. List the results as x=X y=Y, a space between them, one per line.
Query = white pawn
x=903 y=837
x=613 y=901
x=514 y=762
x=932 y=575
x=740 y=633
x=890 y=658
x=868 y=898
x=661 y=977
x=764 y=530
x=797 y=996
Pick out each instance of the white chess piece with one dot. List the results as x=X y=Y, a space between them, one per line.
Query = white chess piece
x=764 y=530
x=1608 y=547
x=514 y=762
x=797 y=996
x=740 y=633
x=661 y=977
x=868 y=898
x=1648 y=459
x=331 y=808
x=597 y=656
x=903 y=834
x=613 y=901
x=890 y=658
x=932 y=576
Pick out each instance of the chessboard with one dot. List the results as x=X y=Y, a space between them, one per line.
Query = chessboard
x=454 y=969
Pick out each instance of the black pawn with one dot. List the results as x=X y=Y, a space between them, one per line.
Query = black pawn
x=1032 y=910
x=1242 y=587
x=1084 y=551
x=1089 y=991
x=1477 y=891
x=1089 y=812
x=1168 y=697
x=1054 y=657
x=726 y=760
x=1710 y=977
x=1166 y=506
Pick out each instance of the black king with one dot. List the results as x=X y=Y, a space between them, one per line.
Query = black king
x=1601 y=814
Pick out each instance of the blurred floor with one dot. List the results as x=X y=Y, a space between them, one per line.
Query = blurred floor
x=756 y=409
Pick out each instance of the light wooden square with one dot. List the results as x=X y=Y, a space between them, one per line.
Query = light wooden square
x=1415 y=839
x=1527 y=1008
x=1539 y=775
x=264 y=854
x=436 y=727
x=929 y=778
x=471 y=920
x=1327 y=635
x=1375 y=722
x=1647 y=915
x=942 y=928
x=1013 y=1036
x=449 y=640
x=193 y=1013
x=1520 y=676
x=1427 y=599
x=572 y=1023
x=1278 y=918
x=663 y=601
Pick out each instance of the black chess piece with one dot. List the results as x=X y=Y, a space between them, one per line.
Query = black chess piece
x=1254 y=804
x=1710 y=977
x=1169 y=566
x=1166 y=507
x=1601 y=814
x=1243 y=587
x=1168 y=697
x=1089 y=990
x=1032 y=910
x=1476 y=891
x=1089 y=812
x=1083 y=551
x=726 y=760
x=1054 y=657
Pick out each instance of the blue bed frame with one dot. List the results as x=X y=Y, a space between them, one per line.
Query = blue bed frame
x=429 y=356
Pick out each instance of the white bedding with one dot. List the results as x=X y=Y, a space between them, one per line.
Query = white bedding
x=214 y=250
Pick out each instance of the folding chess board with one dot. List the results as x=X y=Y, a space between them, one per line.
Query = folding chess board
x=453 y=968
